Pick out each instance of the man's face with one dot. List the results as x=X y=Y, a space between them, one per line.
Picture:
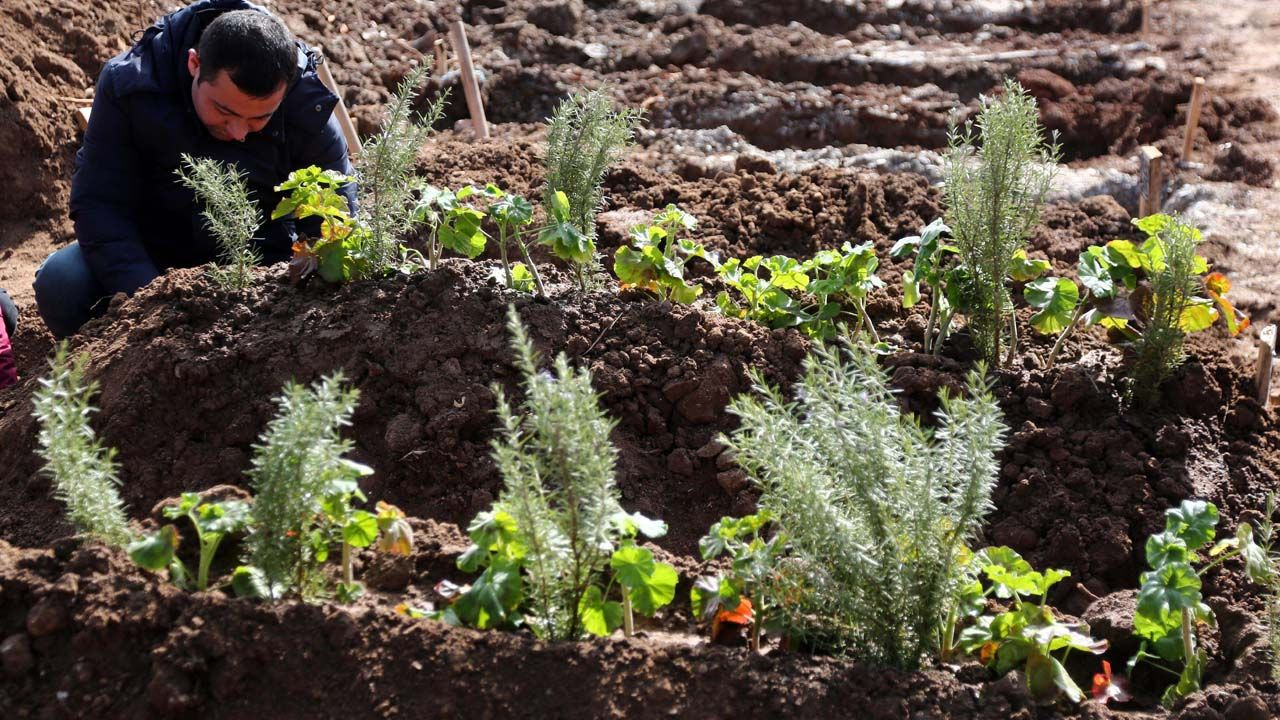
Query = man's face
x=227 y=113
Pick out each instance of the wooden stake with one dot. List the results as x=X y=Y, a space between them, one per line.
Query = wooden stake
x=354 y=147
x=1266 y=353
x=442 y=59
x=1193 y=118
x=1146 y=19
x=458 y=36
x=1150 y=180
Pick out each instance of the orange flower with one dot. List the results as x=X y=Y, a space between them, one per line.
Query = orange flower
x=1107 y=688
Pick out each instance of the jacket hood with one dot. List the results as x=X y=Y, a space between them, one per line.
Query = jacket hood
x=157 y=63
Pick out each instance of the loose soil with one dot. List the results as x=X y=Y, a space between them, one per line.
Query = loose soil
x=187 y=371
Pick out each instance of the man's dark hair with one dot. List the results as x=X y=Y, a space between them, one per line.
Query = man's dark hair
x=254 y=48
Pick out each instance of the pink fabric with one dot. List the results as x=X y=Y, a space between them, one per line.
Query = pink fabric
x=8 y=369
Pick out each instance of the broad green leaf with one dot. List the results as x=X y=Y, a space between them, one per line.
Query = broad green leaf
x=349 y=592
x=568 y=243
x=633 y=268
x=1163 y=548
x=1005 y=563
x=461 y=232
x=785 y=273
x=1197 y=316
x=1095 y=273
x=599 y=617
x=223 y=518
x=1193 y=521
x=361 y=529
x=904 y=246
x=1172 y=587
x=1047 y=679
x=560 y=207
x=656 y=590
x=522 y=279
x=637 y=523
x=1023 y=269
x=493 y=597
x=1124 y=252
x=155 y=551
x=1056 y=298
x=188 y=502
x=249 y=582
x=711 y=594
x=910 y=289
x=1188 y=681
x=1157 y=625
x=632 y=565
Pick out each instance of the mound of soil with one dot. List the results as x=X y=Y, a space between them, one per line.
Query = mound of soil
x=85 y=634
x=187 y=372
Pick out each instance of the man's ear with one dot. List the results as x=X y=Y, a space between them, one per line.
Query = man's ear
x=193 y=63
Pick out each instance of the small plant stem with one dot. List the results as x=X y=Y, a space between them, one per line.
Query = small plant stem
x=348 y=574
x=528 y=261
x=433 y=251
x=502 y=248
x=207 y=551
x=1013 y=338
x=628 y=618
x=933 y=319
x=755 y=633
x=1066 y=332
x=1188 y=635
x=866 y=319
x=943 y=329
x=582 y=279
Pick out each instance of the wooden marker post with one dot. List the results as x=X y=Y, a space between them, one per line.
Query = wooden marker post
x=470 y=88
x=442 y=59
x=1266 y=353
x=1150 y=180
x=1193 y=118
x=344 y=119
x=1146 y=19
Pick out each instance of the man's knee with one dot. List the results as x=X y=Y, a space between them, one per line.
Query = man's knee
x=67 y=295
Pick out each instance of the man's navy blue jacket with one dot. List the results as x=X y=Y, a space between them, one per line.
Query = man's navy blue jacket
x=132 y=218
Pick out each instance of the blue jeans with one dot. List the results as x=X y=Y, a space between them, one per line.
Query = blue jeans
x=67 y=294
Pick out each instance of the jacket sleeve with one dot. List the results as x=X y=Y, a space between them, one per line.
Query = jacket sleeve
x=104 y=196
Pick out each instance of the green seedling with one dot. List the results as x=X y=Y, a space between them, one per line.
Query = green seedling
x=213 y=523
x=1028 y=634
x=997 y=172
x=557 y=542
x=874 y=507
x=764 y=286
x=230 y=214
x=938 y=267
x=566 y=239
x=1170 y=606
x=83 y=470
x=585 y=136
x=657 y=257
x=1134 y=291
x=838 y=278
x=449 y=222
x=385 y=169
x=339 y=254
x=720 y=598
x=812 y=296
x=512 y=214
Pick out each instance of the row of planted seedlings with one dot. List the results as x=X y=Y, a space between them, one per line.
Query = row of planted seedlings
x=842 y=473
x=860 y=546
